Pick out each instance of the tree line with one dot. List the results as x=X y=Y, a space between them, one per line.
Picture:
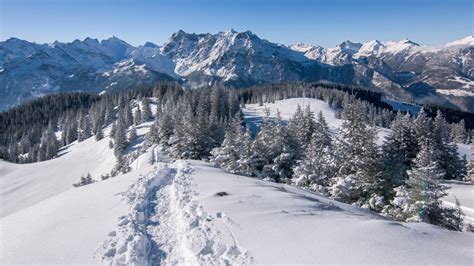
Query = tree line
x=401 y=179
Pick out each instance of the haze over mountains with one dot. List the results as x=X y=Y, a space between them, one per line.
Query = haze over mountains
x=401 y=70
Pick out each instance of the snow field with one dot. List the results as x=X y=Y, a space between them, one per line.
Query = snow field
x=166 y=225
x=66 y=228
x=280 y=224
x=23 y=185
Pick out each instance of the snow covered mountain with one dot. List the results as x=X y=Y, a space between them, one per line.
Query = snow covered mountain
x=402 y=70
x=441 y=75
x=29 y=69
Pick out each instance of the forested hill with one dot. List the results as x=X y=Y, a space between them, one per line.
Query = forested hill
x=376 y=158
x=22 y=127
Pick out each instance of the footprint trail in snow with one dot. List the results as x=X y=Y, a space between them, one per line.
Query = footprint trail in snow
x=167 y=226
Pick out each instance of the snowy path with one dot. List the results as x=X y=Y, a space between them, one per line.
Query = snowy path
x=166 y=225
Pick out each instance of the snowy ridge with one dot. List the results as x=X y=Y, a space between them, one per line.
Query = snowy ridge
x=238 y=59
x=468 y=41
x=167 y=226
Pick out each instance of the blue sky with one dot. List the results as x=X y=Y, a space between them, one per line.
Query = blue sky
x=321 y=22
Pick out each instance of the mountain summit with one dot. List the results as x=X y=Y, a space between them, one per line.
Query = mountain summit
x=402 y=70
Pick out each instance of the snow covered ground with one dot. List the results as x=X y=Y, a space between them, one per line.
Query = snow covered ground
x=254 y=113
x=279 y=224
x=188 y=212
x=66 y=228
x=22 y=185
x=464 y=192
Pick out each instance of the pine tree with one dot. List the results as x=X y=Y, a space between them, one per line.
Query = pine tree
x=146 y=114
x=191 y=146
x=113 y=130
x=24 y=144
x=232 y=150
x=262 y=152
x=52 y=143
x=453 y=218
x=425 y=189
x=399 y=150
x=446 y=151
x=357 y=153
x=272 y=156
x=315 y=169
x=120 y=138
x=109 y=113
x=125 y=113
x=423 y=128
x=459 y=132
x=441 y=128
x=300 y=129
x=84 y=130
x=165 y=130
x=152 y=137
x=137 y=117
x=178 y=141
x=470 y=167
x=321 y=130
x=132 y=135
x=13 y=152
x=99 y=133
x=201 y=136
x=245 y=161
x=85 y=180
x=49 y=145
x=284 y=156
x=71 y=129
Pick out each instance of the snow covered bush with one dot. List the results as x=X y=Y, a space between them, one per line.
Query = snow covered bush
x=282 y=165
x=375 y=202
x=402 y=207
x=344 y=189
x=85 y=180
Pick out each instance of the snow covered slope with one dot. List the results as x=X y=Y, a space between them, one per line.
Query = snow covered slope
x=67 y=228
x=22 y=185
x=279 y=224
x=287 y=108
x=254 y=113
x=190 y=213
x=464 y=193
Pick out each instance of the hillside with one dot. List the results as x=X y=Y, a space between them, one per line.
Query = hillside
x=189 y=212
x=275 y=213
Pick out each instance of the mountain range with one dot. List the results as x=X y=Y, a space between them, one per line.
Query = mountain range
x=401 y=70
